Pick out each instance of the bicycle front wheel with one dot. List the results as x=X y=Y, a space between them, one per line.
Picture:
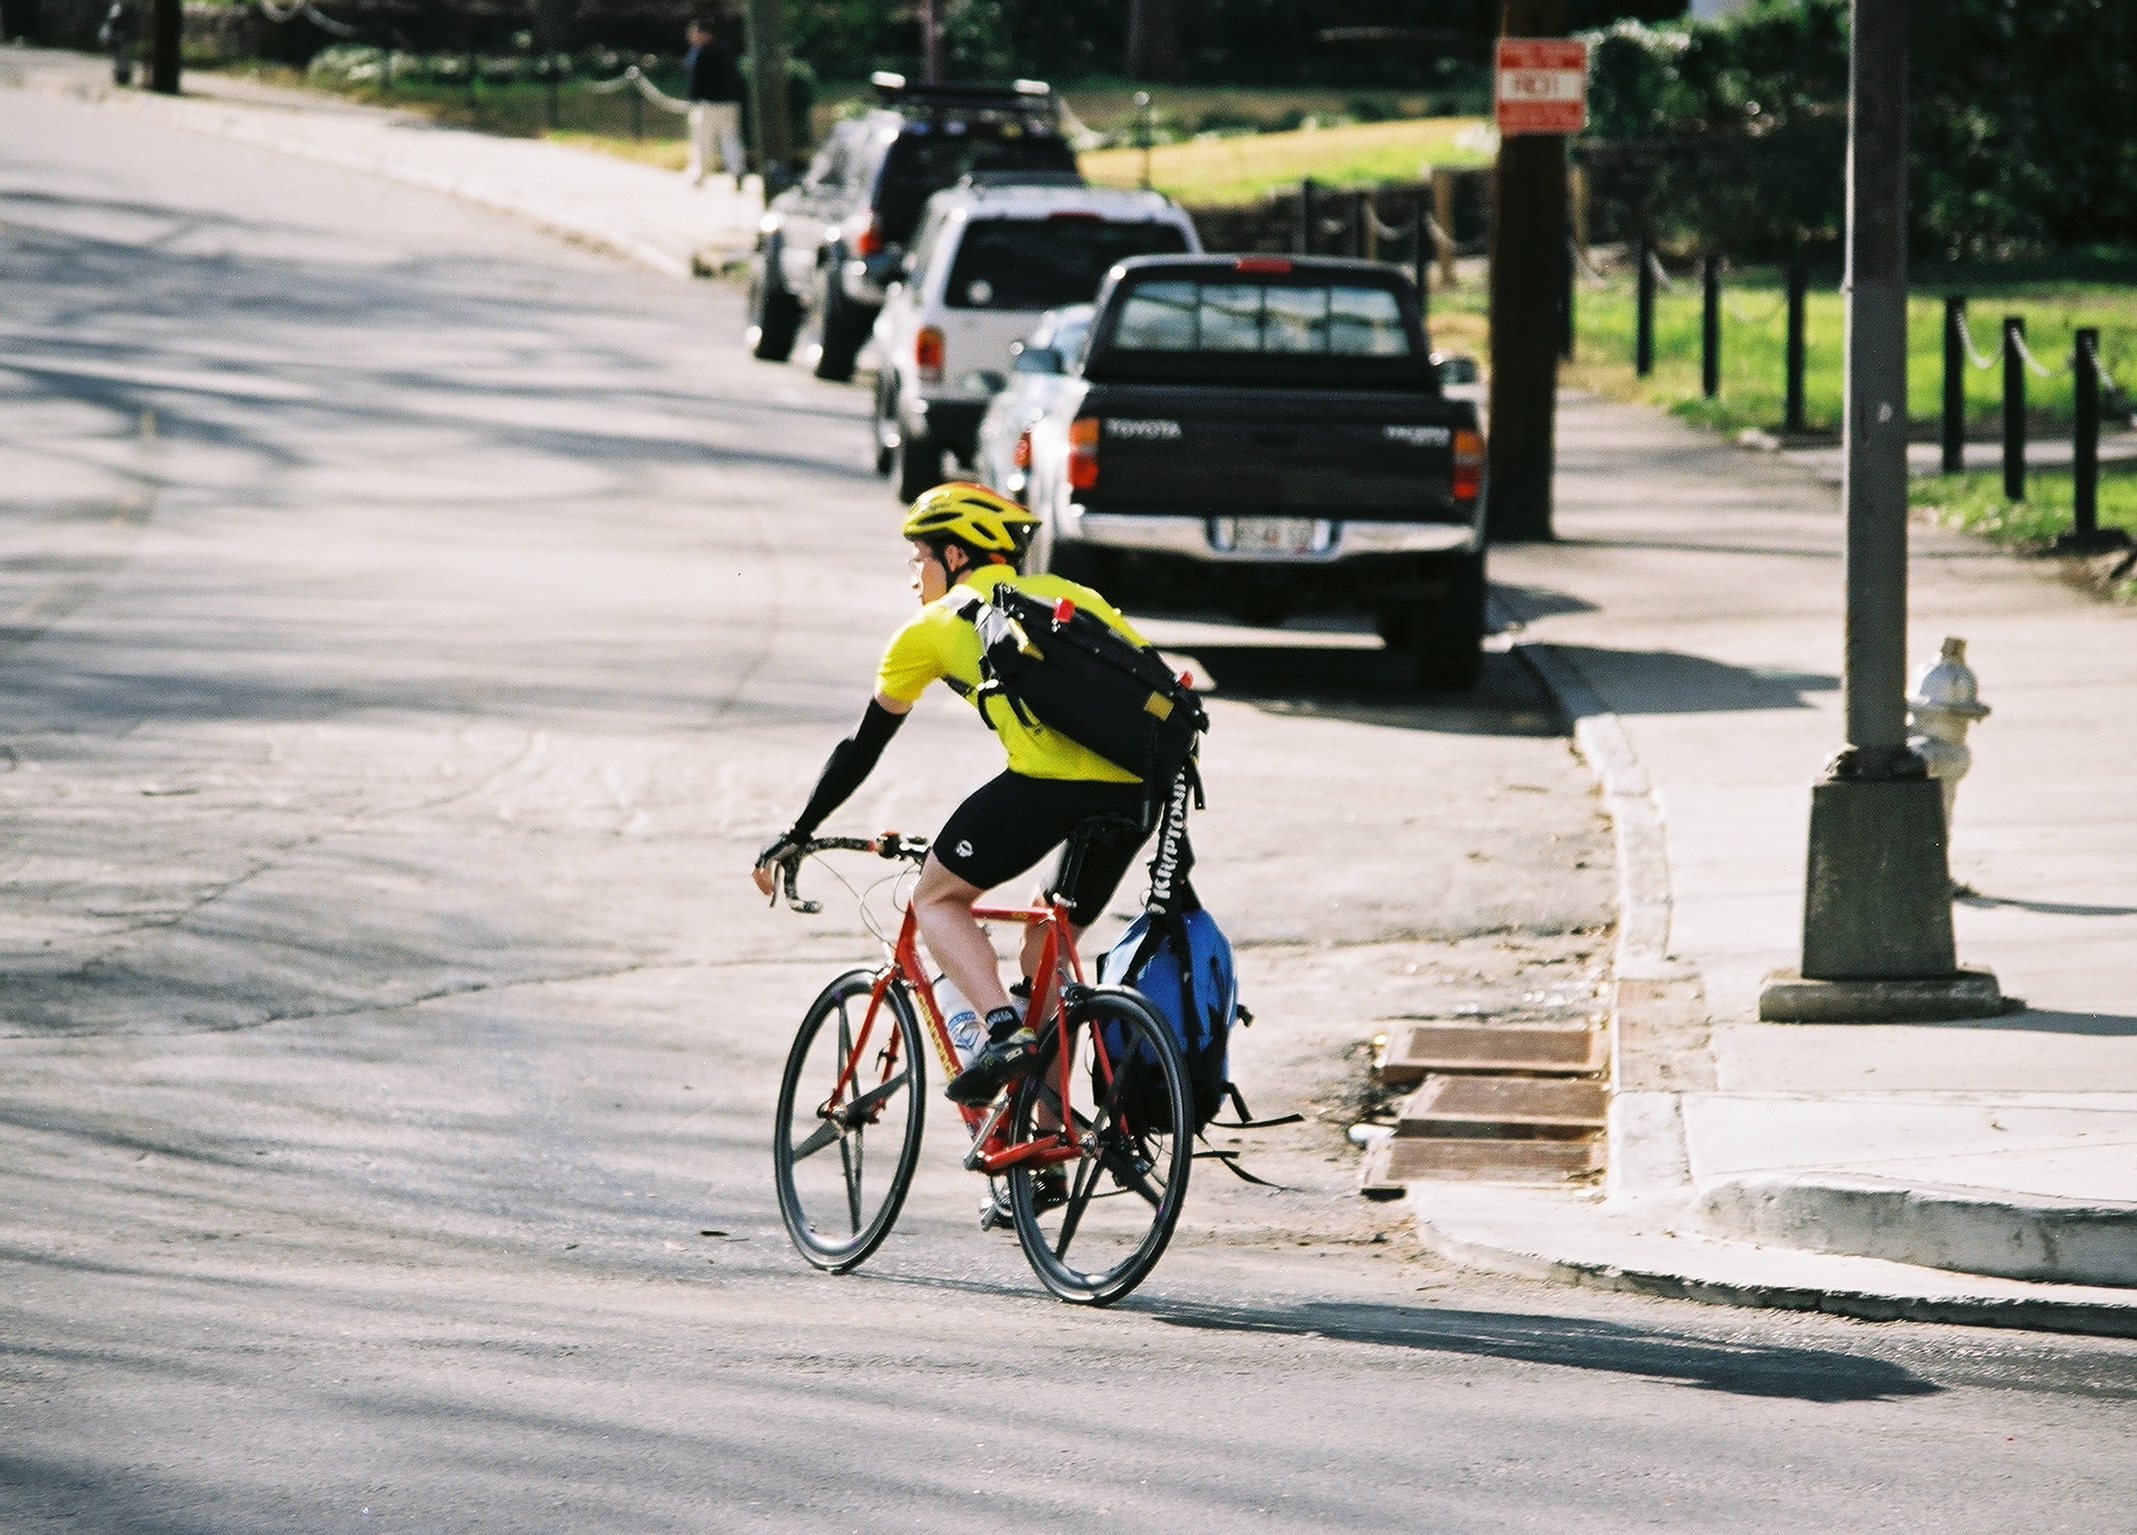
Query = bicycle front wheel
x=1095 y=1226
x=847 y=1132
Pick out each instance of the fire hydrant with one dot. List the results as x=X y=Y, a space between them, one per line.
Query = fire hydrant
x=1944 y=702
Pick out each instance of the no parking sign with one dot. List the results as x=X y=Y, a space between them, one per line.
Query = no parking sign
x=1541 y=85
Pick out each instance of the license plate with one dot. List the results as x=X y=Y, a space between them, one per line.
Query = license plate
x=1273 y=535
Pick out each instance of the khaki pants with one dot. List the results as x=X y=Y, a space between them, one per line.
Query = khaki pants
x=715 y=124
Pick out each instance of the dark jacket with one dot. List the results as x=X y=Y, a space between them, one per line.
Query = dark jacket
x=713 y=76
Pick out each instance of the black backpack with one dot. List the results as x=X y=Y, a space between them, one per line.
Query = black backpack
x=1074 y=673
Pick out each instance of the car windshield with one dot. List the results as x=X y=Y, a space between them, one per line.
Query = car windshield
x=1325 y=319
x=1042 y=263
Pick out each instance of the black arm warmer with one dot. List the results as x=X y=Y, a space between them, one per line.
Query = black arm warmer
x=852 y=760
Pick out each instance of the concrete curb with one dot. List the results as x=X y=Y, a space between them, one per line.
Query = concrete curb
x=2037 y=1237
x=1533 y=1235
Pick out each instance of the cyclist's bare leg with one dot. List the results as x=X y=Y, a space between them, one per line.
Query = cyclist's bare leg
x=942 y=904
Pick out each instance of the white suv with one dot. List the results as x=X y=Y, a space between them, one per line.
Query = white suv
x=989 y=259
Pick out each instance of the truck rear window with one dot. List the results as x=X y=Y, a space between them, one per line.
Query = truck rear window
x=928 y=157
x=1285 y=318
x=1045 y=263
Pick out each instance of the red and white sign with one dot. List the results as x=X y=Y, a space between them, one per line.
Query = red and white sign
x=1541 y=85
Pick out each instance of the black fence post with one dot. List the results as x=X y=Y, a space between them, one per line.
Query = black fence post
x=1420 y=263
x=1710 y=326
x=1798 y=287
x=1643 y=334
x=1304 y=233
x=2085 y=439
x=2014 y=409
x=638 y=112
x=1954 y=383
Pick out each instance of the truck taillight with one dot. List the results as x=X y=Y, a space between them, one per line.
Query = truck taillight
x=1083 y=453
x=1468 y=465
x=927 y=354
x=869 y=242
x=1021 y=454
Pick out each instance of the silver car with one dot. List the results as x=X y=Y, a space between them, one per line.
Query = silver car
x=1038 y=370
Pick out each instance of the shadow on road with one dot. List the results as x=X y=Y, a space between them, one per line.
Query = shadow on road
x=1800 y=1374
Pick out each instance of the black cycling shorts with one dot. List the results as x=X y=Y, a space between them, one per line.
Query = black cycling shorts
x=1009 y=823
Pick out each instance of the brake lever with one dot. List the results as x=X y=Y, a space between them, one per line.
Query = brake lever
x=794 y=900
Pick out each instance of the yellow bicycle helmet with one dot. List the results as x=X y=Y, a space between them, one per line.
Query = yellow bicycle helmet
x=972 y=515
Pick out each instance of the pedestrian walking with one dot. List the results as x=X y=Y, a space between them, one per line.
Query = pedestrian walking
x=715 y=105
x=117 y=35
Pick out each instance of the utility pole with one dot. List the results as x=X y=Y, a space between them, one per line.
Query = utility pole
x=166 y=33
x=1528 y=294
x=768 y=93
x=1877 y=928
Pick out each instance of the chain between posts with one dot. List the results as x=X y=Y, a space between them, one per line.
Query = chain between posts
x=281 y=15
x=635 y=77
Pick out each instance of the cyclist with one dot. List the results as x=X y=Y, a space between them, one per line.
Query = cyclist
x=966 y=541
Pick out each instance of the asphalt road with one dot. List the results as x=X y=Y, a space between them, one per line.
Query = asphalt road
x=410 y=626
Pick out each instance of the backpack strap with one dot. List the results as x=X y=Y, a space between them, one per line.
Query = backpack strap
x=1246 y=1120
x=1231 y=1159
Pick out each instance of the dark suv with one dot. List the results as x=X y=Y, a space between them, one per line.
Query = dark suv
x=828 y=247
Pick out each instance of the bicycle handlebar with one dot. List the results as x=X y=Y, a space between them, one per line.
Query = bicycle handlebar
x=890 y=845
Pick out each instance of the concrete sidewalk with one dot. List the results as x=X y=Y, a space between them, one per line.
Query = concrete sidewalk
x=652 y=216
x=1690 y=618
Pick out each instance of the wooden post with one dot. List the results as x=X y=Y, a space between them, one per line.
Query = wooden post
x=1443 y=213
x=166 y=34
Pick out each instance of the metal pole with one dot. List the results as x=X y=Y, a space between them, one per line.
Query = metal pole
x=1710 y=326
x=1798 y=288
x=1877 y=931
x=2014 y=409
x=1305 y=229
x=930 y=38
x=1954 y=383
x=1643 y=335
x=2085 y=440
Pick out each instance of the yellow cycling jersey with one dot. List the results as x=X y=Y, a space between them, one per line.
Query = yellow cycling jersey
x=939 y=641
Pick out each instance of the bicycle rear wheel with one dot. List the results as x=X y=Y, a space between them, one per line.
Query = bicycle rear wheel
x=1129 y=1103
x=847 y=1132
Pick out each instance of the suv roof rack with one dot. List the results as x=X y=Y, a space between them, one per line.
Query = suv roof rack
x=982 y=180
x=1016 y=96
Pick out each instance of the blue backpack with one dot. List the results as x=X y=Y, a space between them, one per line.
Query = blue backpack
x=1182 y=964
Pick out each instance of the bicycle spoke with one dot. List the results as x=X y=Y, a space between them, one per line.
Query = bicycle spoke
x=875 y=1095
x=1079 y=1200
x=850 y=1155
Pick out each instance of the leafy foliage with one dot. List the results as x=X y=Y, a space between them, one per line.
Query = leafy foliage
x=1732 y=136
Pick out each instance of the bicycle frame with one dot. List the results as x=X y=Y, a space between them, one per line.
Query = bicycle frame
x=992 y=1153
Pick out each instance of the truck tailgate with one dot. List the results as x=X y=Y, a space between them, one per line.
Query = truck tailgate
x=1349 y=455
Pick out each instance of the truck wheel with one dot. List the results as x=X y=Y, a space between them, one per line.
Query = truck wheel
x=916 y=465
x=1446 y=639
x=774 y=313
x=845 y=328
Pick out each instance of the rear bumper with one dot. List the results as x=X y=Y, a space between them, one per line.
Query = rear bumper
x=1200 y=539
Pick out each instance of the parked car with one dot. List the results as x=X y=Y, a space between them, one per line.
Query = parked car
x=829 y=246
x=1038 y=372
x=991 y=256
x=1261 y=435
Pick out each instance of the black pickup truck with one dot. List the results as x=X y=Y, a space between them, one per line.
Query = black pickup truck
x=1263 y=435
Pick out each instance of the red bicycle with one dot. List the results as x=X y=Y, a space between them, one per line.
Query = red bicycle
x=1108 y=1106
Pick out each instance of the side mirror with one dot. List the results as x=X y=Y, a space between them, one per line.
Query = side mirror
x=1036 y=359
x=1455 y=369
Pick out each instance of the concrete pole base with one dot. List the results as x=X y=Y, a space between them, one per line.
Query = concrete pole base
x=1785 y=996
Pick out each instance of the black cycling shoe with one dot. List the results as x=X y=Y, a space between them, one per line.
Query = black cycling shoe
x=1049 y=1191
x=999 y=1062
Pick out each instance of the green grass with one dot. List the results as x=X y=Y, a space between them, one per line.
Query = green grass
x=1215 y=171
x=1754 y=341
x=1975 y=503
